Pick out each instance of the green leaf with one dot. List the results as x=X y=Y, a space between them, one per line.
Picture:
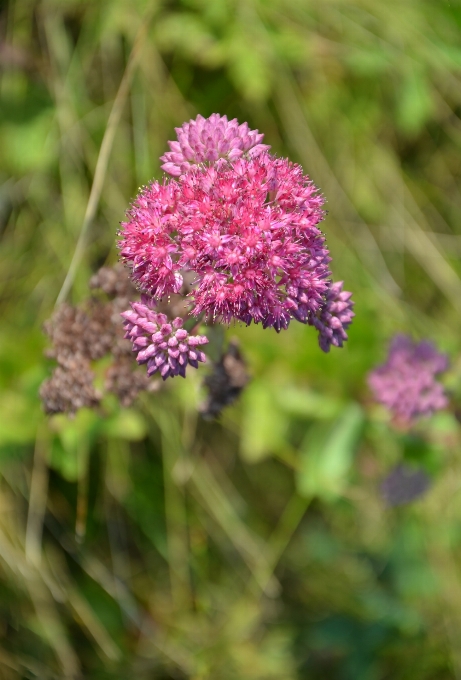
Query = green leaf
x=187 y=34
x=69 y=451
x=249 y=69
x=69 y=462
x=125 y=424
x=414 y=105
x=368 y=62
x=264 y=424
x=327 y=455
x=29 y=147
x=298 y=401
x=19 y=417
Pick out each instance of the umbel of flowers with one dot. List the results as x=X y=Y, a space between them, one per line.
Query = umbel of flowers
x=245 y=223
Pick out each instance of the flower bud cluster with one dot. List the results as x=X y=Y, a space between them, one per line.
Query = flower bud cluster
x=335 y=317
x=165 y=347
x=404 y=484
x=208 y=140
x=226 y=381
x=85 y=333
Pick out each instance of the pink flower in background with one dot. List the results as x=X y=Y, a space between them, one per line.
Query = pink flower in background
x=209 y=139
x=165 y=347
x=404 y=484
x=406 y=384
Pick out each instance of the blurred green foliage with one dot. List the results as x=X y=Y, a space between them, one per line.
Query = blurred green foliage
x=148 y=543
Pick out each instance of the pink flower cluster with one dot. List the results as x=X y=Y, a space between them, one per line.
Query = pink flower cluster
x=165 y=347
x=208 y=140
x=406 y=384
x=249 y=232
x=245 y=223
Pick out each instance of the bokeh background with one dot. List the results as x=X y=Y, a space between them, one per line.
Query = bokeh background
x=147 y=542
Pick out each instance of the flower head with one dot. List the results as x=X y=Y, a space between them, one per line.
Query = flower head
x=244 y=225
x=165 y=347
x=208 y=140
x=70 y=386
x=247 y=229
x=226 y=381
x=88 y=332
x=406 y=383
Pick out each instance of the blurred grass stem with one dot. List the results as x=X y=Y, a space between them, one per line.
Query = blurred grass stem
x=82 y=492
x=38 y=496
x=248 y=545
x=103 y=158
x=175 y=513
x=279 y=540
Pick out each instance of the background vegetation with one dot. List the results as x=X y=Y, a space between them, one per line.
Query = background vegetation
x=146 y=542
